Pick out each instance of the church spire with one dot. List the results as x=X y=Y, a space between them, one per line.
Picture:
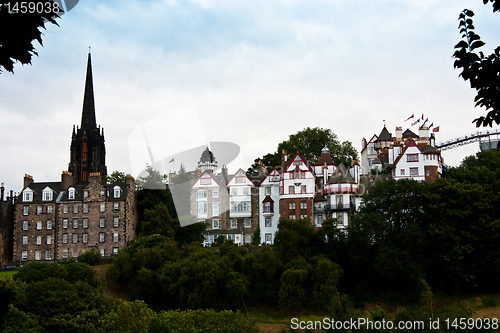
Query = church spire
x=88 y=113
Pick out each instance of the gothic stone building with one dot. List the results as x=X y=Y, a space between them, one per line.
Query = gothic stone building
x=59 y=220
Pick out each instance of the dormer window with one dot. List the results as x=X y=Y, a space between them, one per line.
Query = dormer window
x=117 y=191
x=71 y=193
x=28 y=194
x=47 y=194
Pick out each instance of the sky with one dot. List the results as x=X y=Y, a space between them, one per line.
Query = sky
x=175 y=75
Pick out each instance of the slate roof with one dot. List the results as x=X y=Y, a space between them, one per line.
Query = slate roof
x=409 y=134
x=346 y=177
x=384 y=135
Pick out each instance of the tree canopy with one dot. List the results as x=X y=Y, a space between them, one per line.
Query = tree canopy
x=309 y=142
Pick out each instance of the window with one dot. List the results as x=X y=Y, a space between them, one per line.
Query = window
x=201 y=193
x=65 y=209
x=116 y=207
x=292 y=217
x=115 y=251
x=248 y=238
x=303 y=205
x=38 y=254
x=26 y=210
x=248 y=222
x=269 y=238
x=39 y=210
x=49 y=224
x=38 y=240
x=412 y=158
x=340 y=218
x=25 y=240
x=291 y=205
x=215 y=209
x=85 y=194
x=303 y=189
x=39 y=225
x=25 y=225
x=206 y=181
x=402 y=172
x=413 y=172
x=75 y=223
x=201 y=207
x=102 y=252
x=116 y=222
x=234 y=191
x=117 y=191
x=65 y=254
x=75 y=253
x=85 y=238
x=65 y=223
x=239 y=180
x=75 y=238
x=49 y=239
x=303 y=217
x=28 y=195
x=237 y=207
x=268 y=207
x=102 y=207
x=24 y=255
x=215 y=193
x=291 y=189
x=85 y=208
x=103 y=193
x=246 y=190
x=48 y=254
x=65 y=238
x=71 y=193
x=268 y=222
x=115 y=237
x=215 y=224
x=101 y=237
x=102 y=222
x=75 y=209
x=268 y=190
x=234 y=223
x=85 y=223
x=320 y=219
x=427 y=172
x=50 y=209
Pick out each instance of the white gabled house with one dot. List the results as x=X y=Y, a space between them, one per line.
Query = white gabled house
x=269 y=200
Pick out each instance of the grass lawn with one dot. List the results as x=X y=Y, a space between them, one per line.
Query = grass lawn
x=7 y=274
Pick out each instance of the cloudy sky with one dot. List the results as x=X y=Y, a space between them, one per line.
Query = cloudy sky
x=247 y=72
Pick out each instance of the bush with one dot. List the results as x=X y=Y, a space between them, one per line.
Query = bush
x=90 y=257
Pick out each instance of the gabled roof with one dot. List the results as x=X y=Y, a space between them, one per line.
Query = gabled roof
x=409 y=134
x=408 y=143
x=373 y=139
x=240 y=173
x=291 y=167
x=429 y=150
x=272 y=173
x=341 y=176
x=217 y=180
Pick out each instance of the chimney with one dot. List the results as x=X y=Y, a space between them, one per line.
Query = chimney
x=131 y=181
x=27 y=180
x=224 y=175
x=66 y=180
x=423 y=133
x=2 y=192
x=283 y=159
x=11 y=197
x=399 y=133
x=95 y=177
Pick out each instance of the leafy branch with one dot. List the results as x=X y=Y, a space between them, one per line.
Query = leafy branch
x=483 y=72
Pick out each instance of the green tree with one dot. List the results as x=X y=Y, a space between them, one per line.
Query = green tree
x=256 y=237
x=19 y=31
x=116 y=177
x=91 y=257
x=292 y=293
x=310 y=142
x=294 y=238
x=154 y=180
x=483 y=72
x=157 y=220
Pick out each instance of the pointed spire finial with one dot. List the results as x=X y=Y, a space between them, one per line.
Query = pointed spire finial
x=88 y=113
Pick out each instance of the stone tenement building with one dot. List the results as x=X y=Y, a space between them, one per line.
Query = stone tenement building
x=59 y=220
x=6 y=218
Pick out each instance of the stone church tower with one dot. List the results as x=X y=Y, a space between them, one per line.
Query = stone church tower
x=88 y=154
